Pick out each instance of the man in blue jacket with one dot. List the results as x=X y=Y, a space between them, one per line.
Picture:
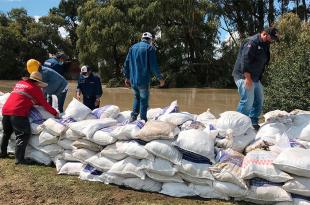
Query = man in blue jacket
x=56 y=63
x=57 y=85
x=252 y=59
x=140 y=63
x=90 y=87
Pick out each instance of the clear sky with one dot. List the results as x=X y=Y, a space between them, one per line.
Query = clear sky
x=33 y=7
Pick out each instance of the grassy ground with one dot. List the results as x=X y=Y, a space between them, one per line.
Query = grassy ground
x=41 y=185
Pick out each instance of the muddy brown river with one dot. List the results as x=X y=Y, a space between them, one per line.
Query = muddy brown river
x=193 y=100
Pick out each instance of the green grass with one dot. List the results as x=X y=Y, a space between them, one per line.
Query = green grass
x=41 y=185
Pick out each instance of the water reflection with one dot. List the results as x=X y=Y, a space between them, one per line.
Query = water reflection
x=193 y=100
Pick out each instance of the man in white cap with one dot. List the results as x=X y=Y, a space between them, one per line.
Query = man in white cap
x=140 y=63
x=89 y=85
x=15 y=111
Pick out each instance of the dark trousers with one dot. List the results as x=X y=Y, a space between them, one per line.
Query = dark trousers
x=21 y=127
x=89 y=101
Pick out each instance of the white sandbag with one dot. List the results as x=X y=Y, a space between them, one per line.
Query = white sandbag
x=45 y=138
x=70 y=135
x=34 y=141
x=188 y=125
x=196 y=170
x=133 y=149
x=107 y=111
x=158 y=166
x=157 y=130
x=278 y=116
x=89 y=127
x=51 y=150
x=82 y=154
x=112 y=152
x=65 y=143
x=89 y=173
x=77 y=110
x=54 y=127
x=206 y=117
x=269 y=131
x=301 y=132
x=258 y=163
x=207 y=192
x=35 y=128
x=38 y=115
x=229 y=189
x=237 y=143
x=37 y=156
x=301 y=118
x=100 y=163
x=267 y=193
x=123 y=116
x=295 y=161
x=147 y=184
x=298 y=185
x=177 y=190
x=176 y=118
x=234 y=122
x=127 y=131
x=86 y=144
x=67 y=155
x=127 y=167
x=164 y=149
x=91 y=116
x=229 y=167
x=103 y=137
x=59 y=163
x=163 y=178
x=111 y=179
x=154 y=113
x=196 y=141
x=194 y=180
x=71 y=168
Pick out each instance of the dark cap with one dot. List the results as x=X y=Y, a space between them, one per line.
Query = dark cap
x=273 y=32
x=61 y=55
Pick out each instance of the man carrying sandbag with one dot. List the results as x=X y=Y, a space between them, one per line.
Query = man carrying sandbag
x=57 y=85
x=15 y=111
x=140 y=62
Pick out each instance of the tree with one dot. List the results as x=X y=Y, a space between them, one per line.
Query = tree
x=288 y=76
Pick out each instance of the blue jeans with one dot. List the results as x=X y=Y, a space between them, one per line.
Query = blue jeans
x=251 y=100
x=140 y=102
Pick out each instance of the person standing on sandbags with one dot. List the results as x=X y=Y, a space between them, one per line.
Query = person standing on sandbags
x=90 y=87
x=253 y=57
x=140 y=62
x=57 y=85
x=16 y=110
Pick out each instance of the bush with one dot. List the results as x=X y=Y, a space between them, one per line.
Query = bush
x=288 y=76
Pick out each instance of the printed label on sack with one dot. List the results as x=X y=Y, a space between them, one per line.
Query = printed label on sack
x=98 y=111
x=36 y=116
x=226 y=157
x=258 y=182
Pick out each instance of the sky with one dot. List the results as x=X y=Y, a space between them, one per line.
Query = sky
x=33 y=7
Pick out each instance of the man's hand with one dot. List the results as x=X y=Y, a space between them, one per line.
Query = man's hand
x=248 y=80
x=97 y=102
x=57 y=116
x=127 y=82
x=161 y=83
x=78 y=95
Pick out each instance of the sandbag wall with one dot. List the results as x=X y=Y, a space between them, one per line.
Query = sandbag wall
x=178 y=153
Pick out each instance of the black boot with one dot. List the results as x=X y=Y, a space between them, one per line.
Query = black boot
x=3 y=155
x=25 y=162
x=256 y=127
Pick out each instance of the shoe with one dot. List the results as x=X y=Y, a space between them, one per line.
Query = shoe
x=132 y=119
x=256 y=127
x=25 y=162
x=3 y=155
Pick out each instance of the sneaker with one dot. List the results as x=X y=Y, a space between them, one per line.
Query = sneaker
x=132 y=119
x=4 y=155
x=25 y=162
x=256 y=127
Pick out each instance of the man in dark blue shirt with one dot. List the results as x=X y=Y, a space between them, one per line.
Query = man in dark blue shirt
x=252 y=59
x=57 y=63
x=89 y=85
x=140 y=63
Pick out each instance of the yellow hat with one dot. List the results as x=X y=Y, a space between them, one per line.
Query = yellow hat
x=33 y=65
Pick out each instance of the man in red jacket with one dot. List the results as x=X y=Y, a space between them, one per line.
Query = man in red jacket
x=15 y=111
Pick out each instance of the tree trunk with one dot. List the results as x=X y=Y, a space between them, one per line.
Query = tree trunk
x=271 y=12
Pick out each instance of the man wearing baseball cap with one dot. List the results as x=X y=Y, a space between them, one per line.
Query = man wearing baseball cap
x=253 y=57
x=140 y=63
x=26 y=93
x=89 y=85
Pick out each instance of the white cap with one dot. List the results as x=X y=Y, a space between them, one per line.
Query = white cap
x=84 y=69
x=147 y=35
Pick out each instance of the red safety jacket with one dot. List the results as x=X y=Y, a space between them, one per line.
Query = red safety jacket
x=24 y=95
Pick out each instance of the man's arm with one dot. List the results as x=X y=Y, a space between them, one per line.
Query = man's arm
x=248 y=55
x=153 y=63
